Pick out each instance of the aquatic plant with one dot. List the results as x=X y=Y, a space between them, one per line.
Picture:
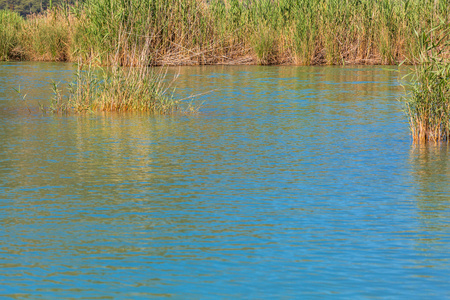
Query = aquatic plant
x=118 y=88
x=428 y=101
x=137 y=87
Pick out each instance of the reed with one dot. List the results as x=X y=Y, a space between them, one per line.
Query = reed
x=46 y=37
x=10 y=28
x=120 y=89
x=187 y=32
x=428 y=101
x=116 y=88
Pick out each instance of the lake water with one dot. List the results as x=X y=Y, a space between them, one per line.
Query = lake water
x=291 y=182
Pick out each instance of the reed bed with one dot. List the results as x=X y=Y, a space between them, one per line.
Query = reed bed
x=46 y=37
x=191 y=32
x=127 y=36
x=428 y=101
x=116 y=88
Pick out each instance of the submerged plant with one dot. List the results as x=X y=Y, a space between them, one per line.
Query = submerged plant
x=427 y=104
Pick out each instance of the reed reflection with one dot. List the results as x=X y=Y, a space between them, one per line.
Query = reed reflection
x=431 y=170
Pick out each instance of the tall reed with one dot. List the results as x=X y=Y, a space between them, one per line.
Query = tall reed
x=428 y=102
x=235 y=31
x=11 y=25
x=47 y=37
x=116 y=88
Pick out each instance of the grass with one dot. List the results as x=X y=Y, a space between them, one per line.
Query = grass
x=428 y=101
x=187 y=32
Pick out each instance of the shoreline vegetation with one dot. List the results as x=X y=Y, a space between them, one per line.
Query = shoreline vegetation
x=123 y=38
x=202 y=32
x=427 y=95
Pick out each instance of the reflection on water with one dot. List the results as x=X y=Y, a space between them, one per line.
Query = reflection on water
x=293 y=182
x=431 y=171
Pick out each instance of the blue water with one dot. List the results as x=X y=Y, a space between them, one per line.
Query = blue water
x=291 y=183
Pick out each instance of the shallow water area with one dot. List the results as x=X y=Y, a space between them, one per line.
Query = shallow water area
x=291 y=182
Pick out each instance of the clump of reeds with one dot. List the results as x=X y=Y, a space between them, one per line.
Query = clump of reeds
x=47 y=36
x=428 y=102
x=10 y=28
x=136 y=87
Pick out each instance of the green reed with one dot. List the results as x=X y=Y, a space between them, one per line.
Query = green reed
x=234 y=31
x=116 y=88
x=10 y=27
x=136 y=87
x=428 y=101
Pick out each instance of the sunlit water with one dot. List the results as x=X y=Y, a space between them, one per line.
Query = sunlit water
x=292 y=182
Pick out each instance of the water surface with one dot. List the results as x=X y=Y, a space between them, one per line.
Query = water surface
x=292 y=182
